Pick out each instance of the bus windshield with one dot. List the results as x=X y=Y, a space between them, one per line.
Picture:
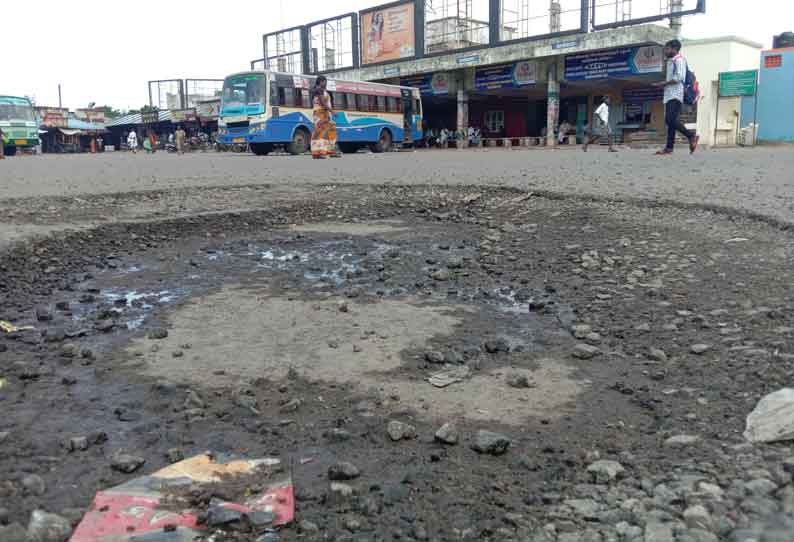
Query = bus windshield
x=17 y=109
x=243 y=90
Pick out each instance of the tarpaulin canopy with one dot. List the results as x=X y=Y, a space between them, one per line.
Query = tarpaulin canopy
x=67 y=132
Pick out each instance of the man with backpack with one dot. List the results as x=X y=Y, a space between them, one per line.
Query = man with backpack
x=680 y=87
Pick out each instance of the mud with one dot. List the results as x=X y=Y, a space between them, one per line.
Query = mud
x=290 y=323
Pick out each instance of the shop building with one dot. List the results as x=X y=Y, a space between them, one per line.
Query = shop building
x=515 y=69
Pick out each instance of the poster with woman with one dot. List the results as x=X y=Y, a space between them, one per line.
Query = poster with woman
x=388 y=33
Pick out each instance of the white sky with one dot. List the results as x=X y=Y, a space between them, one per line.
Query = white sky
x=105 y=52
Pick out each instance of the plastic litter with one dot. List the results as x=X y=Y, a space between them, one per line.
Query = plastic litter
x=135 y=511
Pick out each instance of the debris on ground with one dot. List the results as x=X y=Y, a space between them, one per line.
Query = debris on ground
x=450 y=375
x=187 y=498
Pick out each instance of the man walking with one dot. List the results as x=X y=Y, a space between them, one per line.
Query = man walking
x=2 y=146
x=132 y=141
x=674 y=98
x=600 y=126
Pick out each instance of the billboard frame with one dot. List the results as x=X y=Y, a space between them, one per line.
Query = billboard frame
x=354 y=46
x=181 y=91
x=304 y=46
x=419 y=22
x=254 y=62
x=497 y=24
x=701 y=8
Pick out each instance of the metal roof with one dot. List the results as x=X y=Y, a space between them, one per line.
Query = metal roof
x=137 y=118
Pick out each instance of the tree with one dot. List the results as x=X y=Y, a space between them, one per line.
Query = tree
x=110 y=113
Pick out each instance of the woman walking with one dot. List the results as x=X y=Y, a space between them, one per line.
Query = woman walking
x=324 y=135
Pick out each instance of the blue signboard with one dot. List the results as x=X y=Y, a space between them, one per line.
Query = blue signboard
x=436 y=84
x=643 y=95
x=520 y=74
x=625 y=62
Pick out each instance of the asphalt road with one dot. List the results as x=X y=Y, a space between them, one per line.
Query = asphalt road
x=755 y=180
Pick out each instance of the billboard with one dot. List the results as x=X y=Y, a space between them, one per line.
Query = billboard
x=436 y=84
x=624 y=62
x=209 y=110
x=333 y=43
x=183 y=115
x=90 y=115
x=519 y=74
x=387 y=33
x=53 y=117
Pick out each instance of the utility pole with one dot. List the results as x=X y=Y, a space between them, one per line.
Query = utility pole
x=60 y=101
x=676 y=23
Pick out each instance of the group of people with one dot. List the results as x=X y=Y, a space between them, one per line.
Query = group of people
x=177 y=138
x=674 y=87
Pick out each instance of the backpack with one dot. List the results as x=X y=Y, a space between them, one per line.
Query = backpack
x=691 y=87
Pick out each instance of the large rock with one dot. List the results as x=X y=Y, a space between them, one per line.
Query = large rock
x=773 y=418
x=343 y=471
x=448 y=434
x=605 y=471
x=401 y=431
x=585 y=351
x=34 y=484
x=127 y=463
x=44 y=527
x=487 y=442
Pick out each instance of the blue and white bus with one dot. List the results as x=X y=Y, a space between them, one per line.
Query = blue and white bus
x=267 y=110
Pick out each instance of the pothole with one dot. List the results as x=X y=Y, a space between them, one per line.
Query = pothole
x=345 y=228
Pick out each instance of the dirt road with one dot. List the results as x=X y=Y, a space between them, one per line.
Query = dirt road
x=592 y=362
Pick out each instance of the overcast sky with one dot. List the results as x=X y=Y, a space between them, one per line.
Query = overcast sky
x=105 y=52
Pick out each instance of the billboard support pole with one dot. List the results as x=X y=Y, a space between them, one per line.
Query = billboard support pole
x=717 y=119
x=755 y=114
x=495 y=22
x=419 y=28
x=585 y=16
x=356 y=51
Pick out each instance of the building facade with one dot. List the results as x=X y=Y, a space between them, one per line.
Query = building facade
x=512 y=68
x=776 y=96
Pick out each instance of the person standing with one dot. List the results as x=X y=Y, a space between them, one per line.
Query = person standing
x=180 y=140
x=324 y=135
x=674 y=98
x=2 y=146
x=600 y=126
x=132 y=142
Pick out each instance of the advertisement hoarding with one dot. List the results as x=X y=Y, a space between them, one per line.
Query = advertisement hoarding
x=643 y=95
x=53 y=117
x=519 y=74
x=90 y=115
x=183 y=115
x=387 y=33
x=208 y=111
x=436 y=84
x=624 y=62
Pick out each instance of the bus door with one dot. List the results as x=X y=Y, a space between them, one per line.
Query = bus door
x=406 y=95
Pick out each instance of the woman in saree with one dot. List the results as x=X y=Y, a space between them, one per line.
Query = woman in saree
x=324 y=135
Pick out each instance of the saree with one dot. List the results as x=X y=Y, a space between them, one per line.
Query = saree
x=324 y=135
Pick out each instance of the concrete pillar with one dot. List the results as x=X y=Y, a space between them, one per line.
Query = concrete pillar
x=553 y=105
x=463 y=118
x=676 y=23
x=555 y=16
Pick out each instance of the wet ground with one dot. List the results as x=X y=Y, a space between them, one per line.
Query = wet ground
x=580 y=330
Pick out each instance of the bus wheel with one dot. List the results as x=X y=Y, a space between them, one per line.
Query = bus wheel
x=300 y=142
x=10 y=151
x=348 y=148
x=384 y=142
x=261 y=149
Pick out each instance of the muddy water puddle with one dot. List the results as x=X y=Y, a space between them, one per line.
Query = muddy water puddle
x=384 y=312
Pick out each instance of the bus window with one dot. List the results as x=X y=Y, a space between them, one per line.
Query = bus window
x=417 y=107
x=351 y=101
x=392 y=105
x=286 y=96
x=381 y=103
x=363 y=102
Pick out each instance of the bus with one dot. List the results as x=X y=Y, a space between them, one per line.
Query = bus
x=18 y=123
x=268 y=110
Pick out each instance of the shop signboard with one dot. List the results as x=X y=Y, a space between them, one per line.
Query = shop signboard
x=53 y=117
x=387 y=33
x=436 y=84
x=209 y=110
x=519 y=74
x=643 y=95
x=624 y=62
x=93 y=116
x=183 y=115
x=741 y=83
x=150 y=117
